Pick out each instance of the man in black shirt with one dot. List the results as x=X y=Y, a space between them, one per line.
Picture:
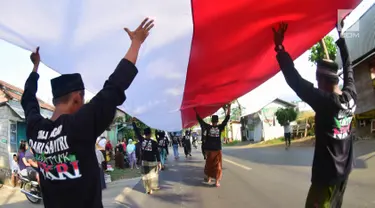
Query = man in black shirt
x=212 y=146
x=334 y=109
x=186 y=143
x=64 y=145
x=160 y=138
x=150 y=159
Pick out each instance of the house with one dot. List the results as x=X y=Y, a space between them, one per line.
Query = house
x=302 y=106
x=113 y=132
x=262 y=125
x=12 y=121
x=234 y=131
x=361 y=46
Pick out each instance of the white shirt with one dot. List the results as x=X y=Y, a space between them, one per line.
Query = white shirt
x=102 y=142
x=99 y=156
x=287 y=128
x=15 y=166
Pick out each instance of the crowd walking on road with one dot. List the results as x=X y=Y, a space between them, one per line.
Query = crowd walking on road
x=67 y=160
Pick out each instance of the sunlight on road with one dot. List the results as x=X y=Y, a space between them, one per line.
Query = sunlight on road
x=237 y=164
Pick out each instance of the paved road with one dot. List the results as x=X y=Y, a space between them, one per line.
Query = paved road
x=257 y=177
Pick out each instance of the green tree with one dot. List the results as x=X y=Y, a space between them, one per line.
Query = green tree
x=283 y=115
x=317 y=52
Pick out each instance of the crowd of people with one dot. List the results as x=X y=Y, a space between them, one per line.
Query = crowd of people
x=73 y=129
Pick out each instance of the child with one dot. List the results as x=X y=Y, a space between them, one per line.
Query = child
x=15 y=170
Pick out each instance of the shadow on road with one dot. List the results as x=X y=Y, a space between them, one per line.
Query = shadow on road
x=296 y=156
x=179 y=174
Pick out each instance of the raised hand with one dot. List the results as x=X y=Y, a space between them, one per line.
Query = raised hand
x=140 y=34
x=35 y=58
x=341 y=26
x=278 y=35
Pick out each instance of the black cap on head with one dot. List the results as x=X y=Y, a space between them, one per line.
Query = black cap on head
x=327 y=67
x=147 y=131
x=66 y=84
x=214 y=119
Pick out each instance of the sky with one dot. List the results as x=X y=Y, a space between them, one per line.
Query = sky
x=15 y=67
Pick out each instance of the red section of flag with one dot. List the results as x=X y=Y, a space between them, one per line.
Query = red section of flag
x=232 y=48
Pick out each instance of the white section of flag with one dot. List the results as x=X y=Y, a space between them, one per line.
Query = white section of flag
x=87 y=37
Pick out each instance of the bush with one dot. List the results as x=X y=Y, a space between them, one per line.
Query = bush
x=286 y=115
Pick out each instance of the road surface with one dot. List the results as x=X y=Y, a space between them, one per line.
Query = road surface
x=256 y=177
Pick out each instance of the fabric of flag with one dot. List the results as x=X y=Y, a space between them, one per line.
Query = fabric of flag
x=200 y=54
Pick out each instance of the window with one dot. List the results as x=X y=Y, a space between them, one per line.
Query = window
x=372 y=71
x=13 y=136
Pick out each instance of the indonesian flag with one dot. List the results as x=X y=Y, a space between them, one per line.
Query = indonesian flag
x=201 y=53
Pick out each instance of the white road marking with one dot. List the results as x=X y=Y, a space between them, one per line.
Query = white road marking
x=237 y=164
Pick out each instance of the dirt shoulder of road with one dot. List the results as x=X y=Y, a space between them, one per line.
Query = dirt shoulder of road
x=119 y=174
x=303 y=142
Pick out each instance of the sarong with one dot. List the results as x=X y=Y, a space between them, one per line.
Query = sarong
x=326 y=196
x=150 y=175
x=119 y=160
x=102 y=179
x=187 y=147
x=213 y=168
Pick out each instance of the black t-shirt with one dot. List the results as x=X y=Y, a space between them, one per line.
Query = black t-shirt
x=162 y=143
x=212 y=140
x=150 y=151
x=65 y=148
x=175 y=140
x=149 y=147
x=333 y=156
x=186 y=140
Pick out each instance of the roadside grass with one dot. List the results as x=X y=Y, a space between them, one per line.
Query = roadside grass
x=280 y=140
x=127 y=173
x=233 y=143
x=300 y=142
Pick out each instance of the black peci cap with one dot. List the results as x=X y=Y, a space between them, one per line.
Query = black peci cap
x=66 y=84
x=328 y=65
x=147 y=131
x=214 y=119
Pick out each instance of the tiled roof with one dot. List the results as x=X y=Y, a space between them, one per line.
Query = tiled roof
x=15 y=93
x=16 y=107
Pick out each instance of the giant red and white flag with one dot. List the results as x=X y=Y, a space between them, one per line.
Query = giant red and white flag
x=201 y=53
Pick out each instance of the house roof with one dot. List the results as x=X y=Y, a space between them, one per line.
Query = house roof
x=14 y=93
x=277 y=100
x=17 y=108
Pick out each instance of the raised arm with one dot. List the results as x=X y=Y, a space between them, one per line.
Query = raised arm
x=100 y=111
x=137 y=132
x=200 y=120
x=29 y=101
x=227 y=116
x=303 y=88
x=349 y=85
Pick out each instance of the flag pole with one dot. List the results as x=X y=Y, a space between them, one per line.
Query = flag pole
x=323 y=45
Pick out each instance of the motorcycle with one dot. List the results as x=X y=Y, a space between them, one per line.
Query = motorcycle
x=31 y=189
